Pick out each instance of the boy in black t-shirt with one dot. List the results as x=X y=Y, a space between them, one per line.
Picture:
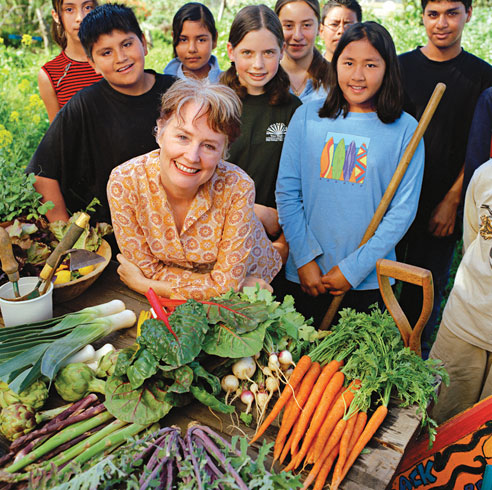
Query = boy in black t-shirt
x=105 y=124
x=430 y=241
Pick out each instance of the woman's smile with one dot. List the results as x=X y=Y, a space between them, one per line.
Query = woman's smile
x=185 y=169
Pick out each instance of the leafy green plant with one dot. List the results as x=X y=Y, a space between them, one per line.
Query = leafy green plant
x=136 y=392
x=19 y=198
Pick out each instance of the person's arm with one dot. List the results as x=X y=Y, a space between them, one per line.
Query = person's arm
x=443 y=218
x=50 y=191
x=335 y=282
x=138 y=265
x=134 y=278
x=47 y=93
x=310 y=276
x=396 y=221
x=269 y=219
x=303 y=246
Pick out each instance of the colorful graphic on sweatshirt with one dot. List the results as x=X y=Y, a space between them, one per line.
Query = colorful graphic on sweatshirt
x=344 y=157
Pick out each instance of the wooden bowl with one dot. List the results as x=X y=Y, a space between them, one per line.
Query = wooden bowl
x=70 y=290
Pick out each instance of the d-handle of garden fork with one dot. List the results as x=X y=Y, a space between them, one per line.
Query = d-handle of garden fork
x=414 y=275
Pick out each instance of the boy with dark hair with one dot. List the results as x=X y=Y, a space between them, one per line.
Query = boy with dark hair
x=105 y=124
x=336 y=17
x=431 y=240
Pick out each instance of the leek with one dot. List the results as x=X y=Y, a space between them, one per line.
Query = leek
x=82 y=335
x=69 y=321
x=21 y=359
x=26 y=378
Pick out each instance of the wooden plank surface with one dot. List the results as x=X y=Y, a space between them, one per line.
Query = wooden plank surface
x=373 y=470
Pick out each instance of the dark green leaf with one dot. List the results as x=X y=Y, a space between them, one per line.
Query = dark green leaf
x=144 y=405
x=210 y=379
x=24 y=360
x=203 y=396
x=31 y=375
x=124 y=360
x=190 y=325
x=143 y=367
x=241 y=315
x=183 y=377
x=179 y=399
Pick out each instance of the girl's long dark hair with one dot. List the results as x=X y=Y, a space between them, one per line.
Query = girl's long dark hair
x=319 y=67
x=389 y=99
x=193 y=11
x=254 y=18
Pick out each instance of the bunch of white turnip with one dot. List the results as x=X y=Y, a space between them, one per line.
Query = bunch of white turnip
x=255 y=383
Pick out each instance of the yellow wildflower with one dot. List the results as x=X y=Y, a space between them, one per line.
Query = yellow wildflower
x=24 y=85
x=1 y=40
x=14 y=116
x=35 y=101
x=6 y=137
x=36 y=119
x=26 y=40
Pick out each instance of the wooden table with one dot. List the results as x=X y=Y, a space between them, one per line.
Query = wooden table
x=373 y=470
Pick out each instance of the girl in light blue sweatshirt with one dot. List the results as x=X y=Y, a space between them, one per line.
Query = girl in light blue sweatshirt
x=337 y=160
x=194 y=38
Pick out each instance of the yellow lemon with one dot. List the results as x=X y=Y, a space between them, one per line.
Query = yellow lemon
x=62 y=277
x=83 y=271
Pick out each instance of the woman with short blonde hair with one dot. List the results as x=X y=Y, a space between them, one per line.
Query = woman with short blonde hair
x=182 y=216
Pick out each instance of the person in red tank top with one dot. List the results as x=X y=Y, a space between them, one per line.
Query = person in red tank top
x=63 y=76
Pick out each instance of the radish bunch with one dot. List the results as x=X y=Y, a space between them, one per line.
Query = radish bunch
x=254 y=380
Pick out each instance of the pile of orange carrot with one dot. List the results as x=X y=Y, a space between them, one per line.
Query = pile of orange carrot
x=325 y=405
x=316 y=425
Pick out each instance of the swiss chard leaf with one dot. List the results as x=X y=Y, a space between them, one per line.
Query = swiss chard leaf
x=210 y=379
x=224 y=341
x=144 y=405
x=203 y=396
x=125 y=358
x=190 y=325
x=144 y=366
x=183 y=377
x=241 y=315
x=179 y=399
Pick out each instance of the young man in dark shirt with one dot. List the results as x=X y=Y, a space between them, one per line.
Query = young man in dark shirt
x=431 y=240
x=105 y=124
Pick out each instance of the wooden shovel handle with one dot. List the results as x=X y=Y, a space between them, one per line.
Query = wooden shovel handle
x=413 y=275
x=392 y=187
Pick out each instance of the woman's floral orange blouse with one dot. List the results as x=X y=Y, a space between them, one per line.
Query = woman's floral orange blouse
x=221 y=242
